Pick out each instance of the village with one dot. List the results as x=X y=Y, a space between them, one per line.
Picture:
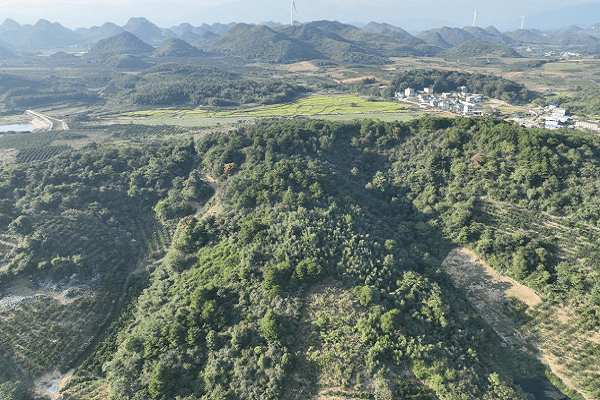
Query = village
x=554 y=117
x=462 y=102
x=468 y=104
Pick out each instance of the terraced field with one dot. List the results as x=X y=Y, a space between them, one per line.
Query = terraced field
x=344 y=105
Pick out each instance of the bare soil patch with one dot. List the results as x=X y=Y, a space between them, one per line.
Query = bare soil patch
x=552 y=333
x=51 y=384
x=488 y=291
x=303 y=66
x=360 y=78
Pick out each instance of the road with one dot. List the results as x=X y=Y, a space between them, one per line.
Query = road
x=47 y=120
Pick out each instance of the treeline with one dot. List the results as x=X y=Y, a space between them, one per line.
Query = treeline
x=172 y=84
x=447 y=81
x=21 y=93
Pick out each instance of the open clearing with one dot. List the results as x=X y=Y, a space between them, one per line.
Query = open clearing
x=551 y=332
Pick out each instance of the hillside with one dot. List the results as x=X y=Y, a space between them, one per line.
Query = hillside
x=362 y=41
x=124 y=43
x=42 y=35
x=489 y=34
x=297 y=283
x=6 y=54
x=298 y=258
x=173 y=48
x=527 y=36
x=316 y=266
x=107 y=30
x=479 y=48
x=453 y=36
x=67 y=262
x=262 y=43
x=386 y=29
x=145 y=30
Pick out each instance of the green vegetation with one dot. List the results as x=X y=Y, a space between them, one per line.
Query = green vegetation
x=21 y=93
x=315 y=105
x=72 y=230
x=173 y=84
x=320 y=257
x=316 y=265
x=445 y=81
x=479 y=48
x=585 y=102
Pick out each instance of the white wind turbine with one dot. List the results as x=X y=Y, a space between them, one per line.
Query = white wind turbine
x=292 y=8
x=522 y=22
x=474 y=17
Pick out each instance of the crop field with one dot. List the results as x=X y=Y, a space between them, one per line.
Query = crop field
x=348 y=106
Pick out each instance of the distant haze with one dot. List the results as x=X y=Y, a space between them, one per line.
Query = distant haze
x=426 y=14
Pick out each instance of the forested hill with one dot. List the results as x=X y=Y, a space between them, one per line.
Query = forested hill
x=315 y=268
x=302 y=259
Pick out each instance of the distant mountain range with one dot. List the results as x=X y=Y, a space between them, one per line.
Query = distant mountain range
x=333 y=41
x=581 y=15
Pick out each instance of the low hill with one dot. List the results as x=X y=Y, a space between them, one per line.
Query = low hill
x=490 y=34
x=381 y=44
x=527 y=36
x=316 y=268
x=182 y=28
x=42 y=35
x=332 y=46
x=434 y=38
x=107 y=30
x=190 y=37
x=174 y=47
x=576 y=39
x=387 y=30
x=206 y=40
x=121 y=44
x=126 y=61
x=6 y=54
x=62 y=56
x=453 y=36
x=479 y=48
x=262 y=43
x=145 y=30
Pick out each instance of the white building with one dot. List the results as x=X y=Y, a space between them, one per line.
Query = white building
x=592 y=125
x=409 y=92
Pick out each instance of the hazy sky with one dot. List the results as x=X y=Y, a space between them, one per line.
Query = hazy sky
x=411 y=15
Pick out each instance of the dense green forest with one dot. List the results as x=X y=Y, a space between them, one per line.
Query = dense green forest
x=73 y=230
x=165 y=84
x=311 y=264
x=308 y=269
x=174 y=84
x=20 y=93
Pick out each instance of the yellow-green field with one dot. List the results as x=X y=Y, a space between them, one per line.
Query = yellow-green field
x=343 y=106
